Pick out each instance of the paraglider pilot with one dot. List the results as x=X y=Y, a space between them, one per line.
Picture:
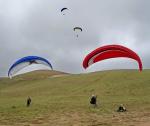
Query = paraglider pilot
x=93 y=100
x=28 y=101
x=121 y=108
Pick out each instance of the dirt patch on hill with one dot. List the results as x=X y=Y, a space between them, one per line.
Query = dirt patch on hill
x=91 y=119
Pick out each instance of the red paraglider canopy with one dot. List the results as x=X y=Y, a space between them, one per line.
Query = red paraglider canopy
x=110 y=51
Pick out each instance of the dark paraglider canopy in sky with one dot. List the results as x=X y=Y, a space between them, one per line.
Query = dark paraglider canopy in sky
x=77 y=28
x=64 y=9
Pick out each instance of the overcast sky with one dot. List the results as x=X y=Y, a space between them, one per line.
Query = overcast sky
x=37 y=27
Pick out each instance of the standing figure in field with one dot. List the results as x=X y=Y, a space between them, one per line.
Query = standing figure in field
x=28 y=101
x=93 y=100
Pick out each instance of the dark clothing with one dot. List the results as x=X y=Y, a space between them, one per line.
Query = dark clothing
x=121 y=109
x=93 y=100
x=28 y=102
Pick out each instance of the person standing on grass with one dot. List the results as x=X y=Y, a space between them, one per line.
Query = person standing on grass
x=93 y=100
x=28 y=101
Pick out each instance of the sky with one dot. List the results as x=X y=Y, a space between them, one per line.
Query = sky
x=37 y=27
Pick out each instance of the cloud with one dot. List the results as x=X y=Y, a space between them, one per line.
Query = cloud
x=37 y=27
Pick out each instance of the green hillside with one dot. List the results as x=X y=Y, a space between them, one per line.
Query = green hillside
x=61 y=99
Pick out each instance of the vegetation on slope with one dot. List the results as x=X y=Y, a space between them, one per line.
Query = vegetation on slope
x=64 y=100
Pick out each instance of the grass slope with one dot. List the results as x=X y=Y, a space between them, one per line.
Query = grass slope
x=64 y=100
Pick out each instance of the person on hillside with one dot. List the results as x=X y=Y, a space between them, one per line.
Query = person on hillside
x=28 y=101
x=121 y=108
x=93 y=100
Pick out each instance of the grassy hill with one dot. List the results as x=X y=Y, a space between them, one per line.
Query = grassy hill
x=61 y=99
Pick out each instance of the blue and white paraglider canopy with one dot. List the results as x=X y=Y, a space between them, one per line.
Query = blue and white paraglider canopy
x=26 y=61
